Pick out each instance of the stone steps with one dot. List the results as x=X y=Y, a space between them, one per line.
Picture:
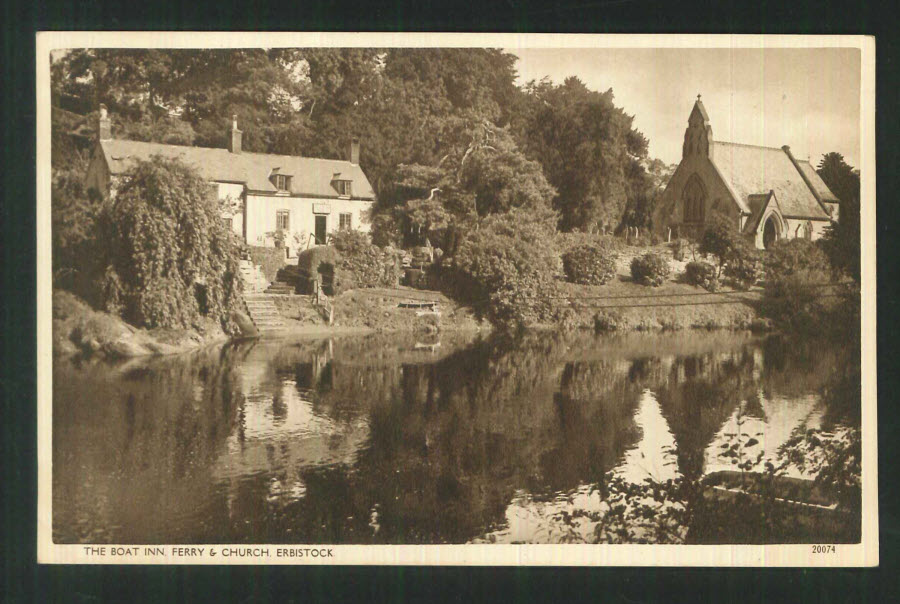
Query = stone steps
x=263 y=312
x=280 y=288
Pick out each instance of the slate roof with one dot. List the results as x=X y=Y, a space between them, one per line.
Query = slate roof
x=752 y=171
x=311 y=177
x=758 y=204
x=698 y=106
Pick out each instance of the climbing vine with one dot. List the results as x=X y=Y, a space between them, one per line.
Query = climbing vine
x=171 y=259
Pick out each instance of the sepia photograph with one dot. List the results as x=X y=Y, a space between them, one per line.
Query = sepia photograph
x=469 y=299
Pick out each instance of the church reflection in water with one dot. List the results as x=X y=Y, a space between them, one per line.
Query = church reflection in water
x=394 y=440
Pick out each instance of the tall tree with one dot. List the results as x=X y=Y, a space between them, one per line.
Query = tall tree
x=588 y=149
x=842 y=240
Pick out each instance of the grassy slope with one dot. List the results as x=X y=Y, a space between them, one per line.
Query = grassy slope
x=367 y=310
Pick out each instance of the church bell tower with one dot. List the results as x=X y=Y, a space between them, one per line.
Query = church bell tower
x=698 y=138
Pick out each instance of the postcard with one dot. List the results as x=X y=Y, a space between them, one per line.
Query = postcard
x=456 y=299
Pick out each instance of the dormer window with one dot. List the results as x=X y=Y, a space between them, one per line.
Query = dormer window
x=343 y=187
x=282 y=182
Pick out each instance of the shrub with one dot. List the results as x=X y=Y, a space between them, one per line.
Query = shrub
x=795 y=270
x=77 y=249
x=650 y=269
x=720 y=240
x=507 y=267
x=170 y=258
x=607 y=321
x=702 y=274
x=745 y=267
x=269 y=259
x=310 y=263
x=589 y=265
x=362 y=264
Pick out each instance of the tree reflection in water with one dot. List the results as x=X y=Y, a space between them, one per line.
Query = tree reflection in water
x=547 y=438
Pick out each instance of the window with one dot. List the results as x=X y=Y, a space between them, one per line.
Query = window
x=282 y=182
x=694 y=199
x=346 y=221
x=283 y=220
x=806 y=231
x=344 y=187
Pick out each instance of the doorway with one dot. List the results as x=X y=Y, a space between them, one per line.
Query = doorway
x=321 y=229
x=770 y=233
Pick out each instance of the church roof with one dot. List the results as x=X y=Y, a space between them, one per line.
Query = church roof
x=751 y=171
x=758 y=203
x=311 y=177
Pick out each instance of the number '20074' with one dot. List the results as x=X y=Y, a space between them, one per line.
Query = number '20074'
x=824 y=549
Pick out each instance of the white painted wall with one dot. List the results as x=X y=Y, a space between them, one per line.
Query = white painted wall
x=789 y=227
x=261 y=210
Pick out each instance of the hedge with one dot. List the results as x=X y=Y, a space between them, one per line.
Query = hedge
x=269 y=259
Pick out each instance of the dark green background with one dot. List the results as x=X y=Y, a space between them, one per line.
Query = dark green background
x=24 y=581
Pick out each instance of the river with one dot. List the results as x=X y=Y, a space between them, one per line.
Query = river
x=436 y=439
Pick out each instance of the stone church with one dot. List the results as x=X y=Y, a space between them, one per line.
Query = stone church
x=766 y=192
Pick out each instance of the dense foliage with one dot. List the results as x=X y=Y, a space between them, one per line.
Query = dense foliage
x=590 y=153
x=446 y=119
x=745 y=266
x=170 y=260
x=797 y=273
x=507 y=267
x=650 y=269
x=363 y=264
x=842 y=239
x=702 y=274
x=74 y=219
x=589 y=265
x=720 y=241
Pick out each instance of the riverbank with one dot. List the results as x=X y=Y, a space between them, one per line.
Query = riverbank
x=377 y=310
x=77 y=328
x=623 y=305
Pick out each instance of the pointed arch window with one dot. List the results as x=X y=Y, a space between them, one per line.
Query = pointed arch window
x=693 y=197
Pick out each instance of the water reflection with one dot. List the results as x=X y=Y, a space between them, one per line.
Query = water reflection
x=396 y=440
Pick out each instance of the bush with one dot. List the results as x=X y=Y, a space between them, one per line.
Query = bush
x=650 y=269
x=745 y=267
x=309 y=263
x=269 y=259
x=721 y=240
x=76 y=250
x=362 y=264
x=607 y=321
x=589 y=265
x=170 y=259
x=507 y=267
x=795 y=271
x=702 y=274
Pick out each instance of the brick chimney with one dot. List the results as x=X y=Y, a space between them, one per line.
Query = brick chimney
x=353 y=151
x=104 y=126
x=234 y=139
